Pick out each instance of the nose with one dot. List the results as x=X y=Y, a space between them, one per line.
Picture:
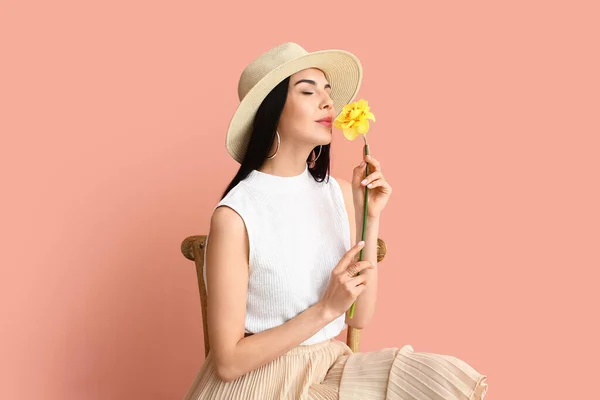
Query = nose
x=327 y=102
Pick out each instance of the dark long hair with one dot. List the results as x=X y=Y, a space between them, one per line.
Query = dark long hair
x=264 y=133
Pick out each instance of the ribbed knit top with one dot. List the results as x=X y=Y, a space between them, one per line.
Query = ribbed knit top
x=298 y=230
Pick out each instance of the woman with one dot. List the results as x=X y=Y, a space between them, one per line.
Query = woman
x=281 y=269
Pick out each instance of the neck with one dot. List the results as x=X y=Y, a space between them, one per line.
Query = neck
x=284 y=167
x=291 y=183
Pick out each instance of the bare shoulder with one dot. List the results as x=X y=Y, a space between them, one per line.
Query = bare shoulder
x=227 y=233
x=226 y=218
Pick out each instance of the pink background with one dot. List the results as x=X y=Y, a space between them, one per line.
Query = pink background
x=113 y=120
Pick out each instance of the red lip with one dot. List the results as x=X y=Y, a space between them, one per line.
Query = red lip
x=326 y=119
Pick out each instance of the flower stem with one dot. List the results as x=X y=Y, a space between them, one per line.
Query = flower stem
x=365 y=210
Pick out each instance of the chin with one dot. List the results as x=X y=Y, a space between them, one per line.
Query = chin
x=324 y=138
x=323 y=142
x=320 y=137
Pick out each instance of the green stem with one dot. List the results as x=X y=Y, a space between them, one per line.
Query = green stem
x=365 y=209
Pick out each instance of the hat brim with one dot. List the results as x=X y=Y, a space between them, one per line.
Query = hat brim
x=342 y=70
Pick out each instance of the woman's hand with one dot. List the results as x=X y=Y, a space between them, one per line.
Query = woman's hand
x=379 y=189
x=344 y=285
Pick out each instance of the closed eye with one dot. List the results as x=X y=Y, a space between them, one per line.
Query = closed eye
x=307 y=92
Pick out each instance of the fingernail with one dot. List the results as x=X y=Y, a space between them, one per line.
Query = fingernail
x=368 y=156
x=361 y=164
x=364 y=181
x=361 y=243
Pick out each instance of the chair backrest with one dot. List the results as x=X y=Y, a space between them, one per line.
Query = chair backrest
x=193 y=248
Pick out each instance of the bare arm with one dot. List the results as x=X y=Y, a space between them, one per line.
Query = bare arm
x=227 y=281
x=365 y=304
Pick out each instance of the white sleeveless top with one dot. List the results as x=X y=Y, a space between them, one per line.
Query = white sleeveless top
x=298 y=231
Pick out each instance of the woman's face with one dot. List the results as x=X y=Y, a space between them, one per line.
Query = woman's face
x=307 y=102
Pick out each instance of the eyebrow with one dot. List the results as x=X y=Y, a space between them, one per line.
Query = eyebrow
x=311 y=82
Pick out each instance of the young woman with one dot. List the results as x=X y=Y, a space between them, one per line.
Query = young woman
x=280 y=265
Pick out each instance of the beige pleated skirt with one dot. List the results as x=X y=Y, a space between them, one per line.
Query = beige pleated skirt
x=329 y=370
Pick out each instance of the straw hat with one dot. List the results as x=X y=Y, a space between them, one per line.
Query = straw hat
x=342 y=69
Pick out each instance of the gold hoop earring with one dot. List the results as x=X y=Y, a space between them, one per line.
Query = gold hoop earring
x=318 y=155
x=278 y=143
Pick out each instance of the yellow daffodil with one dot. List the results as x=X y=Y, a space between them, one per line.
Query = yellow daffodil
x=354 y=119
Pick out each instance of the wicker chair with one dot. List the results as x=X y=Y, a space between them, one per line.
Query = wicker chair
x=193 y=248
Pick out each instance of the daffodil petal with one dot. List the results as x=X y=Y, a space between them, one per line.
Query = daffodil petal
x=348 y=134
x=362 y=126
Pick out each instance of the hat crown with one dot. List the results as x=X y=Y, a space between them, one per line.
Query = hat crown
x=267 y=62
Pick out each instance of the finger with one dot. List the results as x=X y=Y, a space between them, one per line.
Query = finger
x=383 y=185
x=351 y=271
x=376 y=183
x=348 y=257
x=357 y=280
x=361 y=166
x=354 y=269
x=371 y=178
x=357 y=290
x=363 y=265
x=373 y=162
x=359 y=266
x=359 y=172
